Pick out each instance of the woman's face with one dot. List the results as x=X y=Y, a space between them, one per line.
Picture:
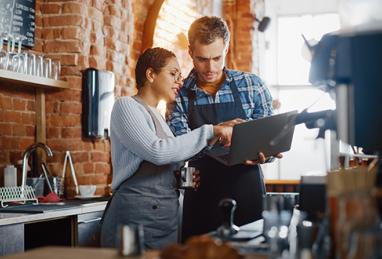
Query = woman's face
x=168 y=81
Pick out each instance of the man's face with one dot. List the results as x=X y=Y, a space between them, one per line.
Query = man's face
x=209 y=60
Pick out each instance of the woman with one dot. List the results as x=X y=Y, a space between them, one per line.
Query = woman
x=145 y=154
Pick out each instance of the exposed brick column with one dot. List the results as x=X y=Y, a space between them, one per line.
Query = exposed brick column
x=83 y=34
x=239 y=17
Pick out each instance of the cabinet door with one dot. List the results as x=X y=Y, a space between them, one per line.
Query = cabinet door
x=50 y=232
x=12 y=239
x=89 y=229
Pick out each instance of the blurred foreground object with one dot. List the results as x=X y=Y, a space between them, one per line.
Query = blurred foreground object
x=200 y=247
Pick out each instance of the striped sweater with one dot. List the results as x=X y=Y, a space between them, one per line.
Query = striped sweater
x=133 y=139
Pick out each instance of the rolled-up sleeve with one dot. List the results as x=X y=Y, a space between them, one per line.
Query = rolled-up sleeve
x=177 y=119
x=262 y=100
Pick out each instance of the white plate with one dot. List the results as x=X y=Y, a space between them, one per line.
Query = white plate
x=87 y=197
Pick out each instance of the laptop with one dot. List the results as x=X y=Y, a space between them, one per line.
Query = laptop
x=270 y=135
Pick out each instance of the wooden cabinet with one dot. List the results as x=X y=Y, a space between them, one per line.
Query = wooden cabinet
x=52 y=232
x=77 y=230
x=75 y=225
x=89 y=229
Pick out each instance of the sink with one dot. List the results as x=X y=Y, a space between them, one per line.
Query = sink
x=51 y=203
x=10 y=215
x=46 y=207
x=37 y=208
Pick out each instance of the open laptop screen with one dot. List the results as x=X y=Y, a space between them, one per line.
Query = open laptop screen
x=270 y=135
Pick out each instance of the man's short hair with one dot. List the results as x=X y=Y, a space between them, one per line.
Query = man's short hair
x=207 y=29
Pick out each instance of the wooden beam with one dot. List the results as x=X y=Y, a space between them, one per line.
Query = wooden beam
x=40 y=116
x=40 y=124
x=149 y=25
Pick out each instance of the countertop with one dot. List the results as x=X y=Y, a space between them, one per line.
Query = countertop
x=74 y=252
x=21 y=214
x=91 y=253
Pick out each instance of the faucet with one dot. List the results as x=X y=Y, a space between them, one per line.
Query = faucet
x=26 y=155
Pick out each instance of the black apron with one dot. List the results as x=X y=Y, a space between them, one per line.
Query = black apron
x=242 y=183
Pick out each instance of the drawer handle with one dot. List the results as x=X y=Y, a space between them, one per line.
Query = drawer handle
x=89 y=220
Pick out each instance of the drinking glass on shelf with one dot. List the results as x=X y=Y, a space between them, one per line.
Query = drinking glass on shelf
x=39 y=65
x=23 y=63
x=56 y=70
x=3 y=51
x=9 y=65
x=47 y=67
x=19 y=60
x=31 y=64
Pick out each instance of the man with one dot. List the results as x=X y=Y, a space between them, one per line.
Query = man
x=213 y=94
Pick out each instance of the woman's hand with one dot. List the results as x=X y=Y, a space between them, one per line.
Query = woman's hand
x=223 y=132
x=223 y=135
x=196 y=179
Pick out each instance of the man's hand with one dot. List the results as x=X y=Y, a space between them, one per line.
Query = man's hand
x=262 y=159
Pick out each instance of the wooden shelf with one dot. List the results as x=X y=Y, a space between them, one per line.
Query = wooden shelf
x=19 y=79
x=287 y=182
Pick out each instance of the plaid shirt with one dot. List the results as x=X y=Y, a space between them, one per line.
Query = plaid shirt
x=254 y=95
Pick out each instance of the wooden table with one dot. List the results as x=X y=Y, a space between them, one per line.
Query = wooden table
x=89 y=253
x=109 y=253
x=76 y=252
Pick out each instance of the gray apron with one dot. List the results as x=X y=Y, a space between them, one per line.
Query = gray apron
x=148 y=198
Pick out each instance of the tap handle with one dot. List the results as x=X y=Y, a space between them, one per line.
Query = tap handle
x=228 y=228
x=227 y=208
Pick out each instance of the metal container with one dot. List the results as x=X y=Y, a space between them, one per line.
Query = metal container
x=185 y=178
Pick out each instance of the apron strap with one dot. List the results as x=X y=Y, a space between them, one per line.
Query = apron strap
x=191 y=98
x=232 y=85
x=158 y=127
x=235 y=92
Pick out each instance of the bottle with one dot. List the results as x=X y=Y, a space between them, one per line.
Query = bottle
x=10 y=176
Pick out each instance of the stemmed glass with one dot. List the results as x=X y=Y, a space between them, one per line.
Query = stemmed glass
x=10 y=53
x=19 y=60
x=3 y=51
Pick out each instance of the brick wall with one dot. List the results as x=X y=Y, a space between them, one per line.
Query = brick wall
x=81 y=34
x=104 y=34
x=239 y=16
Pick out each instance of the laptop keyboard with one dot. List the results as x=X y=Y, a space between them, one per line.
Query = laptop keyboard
x=219 y=151
x=224 y=157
